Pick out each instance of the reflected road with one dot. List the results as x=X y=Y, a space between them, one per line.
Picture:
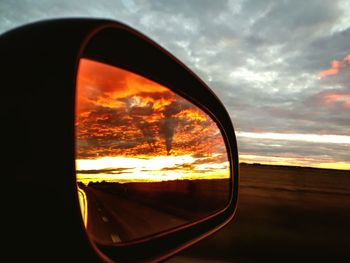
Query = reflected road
x=113 y=219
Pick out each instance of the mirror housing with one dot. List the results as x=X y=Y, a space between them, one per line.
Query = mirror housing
x=40 y=63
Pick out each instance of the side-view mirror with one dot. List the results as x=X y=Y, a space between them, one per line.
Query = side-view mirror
x=119 y=151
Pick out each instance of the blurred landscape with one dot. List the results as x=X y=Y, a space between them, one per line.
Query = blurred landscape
x=285 y=214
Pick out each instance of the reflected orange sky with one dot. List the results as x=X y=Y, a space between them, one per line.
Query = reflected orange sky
x=129 y=128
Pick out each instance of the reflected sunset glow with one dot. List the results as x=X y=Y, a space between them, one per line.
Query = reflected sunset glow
x=131 y=129
x=160 y=168
x=294 y=161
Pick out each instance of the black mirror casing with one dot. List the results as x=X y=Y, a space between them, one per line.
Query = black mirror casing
x=40 y=63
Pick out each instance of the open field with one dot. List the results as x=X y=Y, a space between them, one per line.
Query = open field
x=285 y=214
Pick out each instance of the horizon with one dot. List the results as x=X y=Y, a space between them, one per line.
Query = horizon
x=81 y=175
x=294 y=166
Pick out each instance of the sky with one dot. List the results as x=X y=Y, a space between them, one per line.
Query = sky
x=281 y=68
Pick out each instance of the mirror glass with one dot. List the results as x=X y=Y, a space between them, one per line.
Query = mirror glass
x=147 y=160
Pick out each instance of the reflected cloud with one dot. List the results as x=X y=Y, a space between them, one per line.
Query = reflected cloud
x=136 y=122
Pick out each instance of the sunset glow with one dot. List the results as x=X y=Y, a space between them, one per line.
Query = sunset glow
x=131 y=129
x=294 y=161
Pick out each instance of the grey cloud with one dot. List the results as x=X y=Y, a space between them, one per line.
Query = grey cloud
x=320 y=52
x=291 y=20
x=15 y=13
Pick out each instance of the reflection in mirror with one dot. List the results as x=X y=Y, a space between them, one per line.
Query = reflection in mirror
x=147 y=159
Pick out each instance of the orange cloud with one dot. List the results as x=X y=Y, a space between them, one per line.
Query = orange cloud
x=336 y=66
x=333 y=70
x=103 y=85
x=337 y=97
x=347 y=58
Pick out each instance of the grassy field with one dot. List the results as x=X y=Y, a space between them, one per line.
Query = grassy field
x=285 y=214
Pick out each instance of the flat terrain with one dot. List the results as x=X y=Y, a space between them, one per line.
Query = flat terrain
x=285 y=214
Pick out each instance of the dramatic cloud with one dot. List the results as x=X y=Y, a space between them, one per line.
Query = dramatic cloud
x=279 y=67
x=130 y=117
